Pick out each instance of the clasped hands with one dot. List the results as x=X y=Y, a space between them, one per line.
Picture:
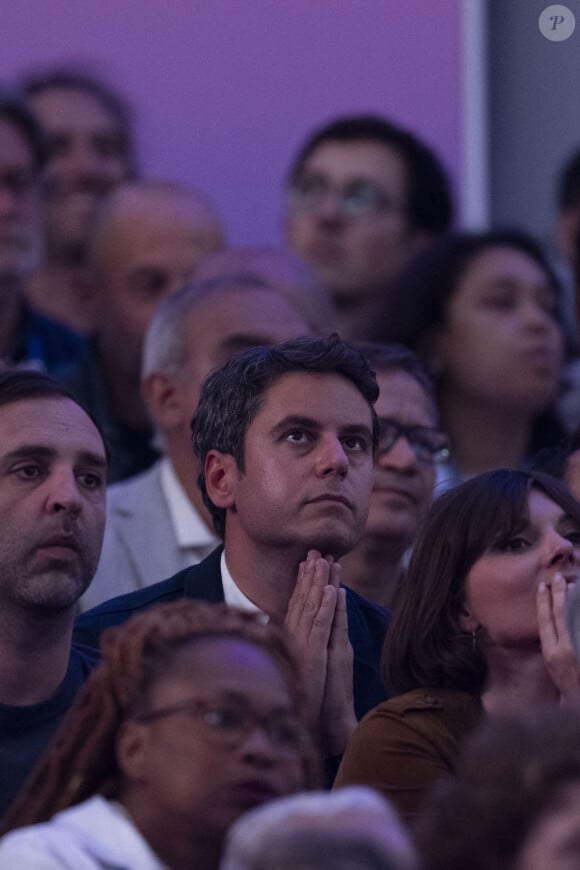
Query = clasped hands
x=317 y=620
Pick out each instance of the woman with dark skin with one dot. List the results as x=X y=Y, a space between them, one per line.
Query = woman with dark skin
x=194 y=716
x=479 y=628
x=482 y=310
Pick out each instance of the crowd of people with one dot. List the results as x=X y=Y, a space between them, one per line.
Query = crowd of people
x=290 y=536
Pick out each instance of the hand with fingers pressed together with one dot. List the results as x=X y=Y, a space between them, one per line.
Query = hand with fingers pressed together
x=317 y=620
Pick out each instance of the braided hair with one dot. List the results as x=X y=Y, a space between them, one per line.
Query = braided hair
x=81 y=759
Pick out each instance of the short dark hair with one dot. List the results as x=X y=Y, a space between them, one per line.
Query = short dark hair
x=232 y=396
x=18 y=385
x=397 y=358
x=13 y=110
x=425 y=645
x=429 y=200
x=568 y=194
x=554 y=460
x=512 y=773
x=76 y=78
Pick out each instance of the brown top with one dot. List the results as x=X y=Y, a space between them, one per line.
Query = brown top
x=405 y=744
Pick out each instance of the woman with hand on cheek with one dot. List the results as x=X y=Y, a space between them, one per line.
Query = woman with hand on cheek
x=479 y=628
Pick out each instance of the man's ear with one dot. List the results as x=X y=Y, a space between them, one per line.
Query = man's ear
x=131 y=748
x=467 y=621
x=162 y=400
x=221 y=477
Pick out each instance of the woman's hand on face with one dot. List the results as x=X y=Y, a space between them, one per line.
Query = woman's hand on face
x=561 y=662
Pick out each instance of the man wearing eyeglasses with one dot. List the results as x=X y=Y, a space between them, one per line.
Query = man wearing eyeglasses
x=409 y=450
x=364 y=196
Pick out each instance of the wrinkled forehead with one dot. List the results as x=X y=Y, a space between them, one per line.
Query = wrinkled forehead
x=54 y=423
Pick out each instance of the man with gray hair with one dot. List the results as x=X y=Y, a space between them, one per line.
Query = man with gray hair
x=157 y=523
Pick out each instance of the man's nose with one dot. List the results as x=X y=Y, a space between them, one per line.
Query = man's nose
x=257 y=746
x=63 y=492
x=332 y=458
x=401 y=455
x=83 y=160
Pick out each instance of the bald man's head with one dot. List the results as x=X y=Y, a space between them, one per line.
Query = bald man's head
x=148 y=242
x=284 y=273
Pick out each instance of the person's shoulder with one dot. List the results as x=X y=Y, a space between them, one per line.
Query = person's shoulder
x=124 y=605
x=90 y=624
x=60 y=345
x=371 y=612
x=428 y=703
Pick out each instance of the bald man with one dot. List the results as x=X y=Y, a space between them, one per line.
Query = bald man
x=285 y=273
x=148 y=242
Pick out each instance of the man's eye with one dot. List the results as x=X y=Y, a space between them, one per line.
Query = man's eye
x=297 y=436
x=27 y=472
x=356 y=443
x=91 y=481
x=149 y=283
x=223 y=718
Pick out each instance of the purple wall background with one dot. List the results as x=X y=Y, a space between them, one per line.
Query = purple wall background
x=224 y=91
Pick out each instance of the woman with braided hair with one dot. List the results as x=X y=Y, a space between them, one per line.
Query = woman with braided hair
x=194 y=715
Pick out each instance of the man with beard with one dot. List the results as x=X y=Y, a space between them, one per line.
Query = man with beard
x=52 y=516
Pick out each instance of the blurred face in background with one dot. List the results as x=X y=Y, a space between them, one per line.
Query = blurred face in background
x=404 y=479
x=501 y=344
x=87 y=159
x=347 y=216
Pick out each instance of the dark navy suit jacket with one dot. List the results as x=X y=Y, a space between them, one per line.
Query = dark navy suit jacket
x=367 y=622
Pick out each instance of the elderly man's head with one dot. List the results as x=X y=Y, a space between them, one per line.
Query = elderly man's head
x=148 y=242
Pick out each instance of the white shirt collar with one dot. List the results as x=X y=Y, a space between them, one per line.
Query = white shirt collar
x=234 y=596
x=190 y=529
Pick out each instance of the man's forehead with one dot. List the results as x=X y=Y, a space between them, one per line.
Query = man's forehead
x=315 y=394
x=64 y=108
x=357 y=158
x=48 y=421
x=402 y=397
x=258 y=309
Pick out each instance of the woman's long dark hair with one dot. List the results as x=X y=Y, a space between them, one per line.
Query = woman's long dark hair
x=425 y=645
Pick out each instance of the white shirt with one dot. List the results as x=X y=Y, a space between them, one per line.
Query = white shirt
x=234 y=596
x=190 y=530
x=94 y=835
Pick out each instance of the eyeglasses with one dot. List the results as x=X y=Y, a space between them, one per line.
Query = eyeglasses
x=428 y=444
x=361 y=198
x=228 y=723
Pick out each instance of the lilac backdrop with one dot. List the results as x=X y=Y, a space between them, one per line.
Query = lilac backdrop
x=225 y=90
